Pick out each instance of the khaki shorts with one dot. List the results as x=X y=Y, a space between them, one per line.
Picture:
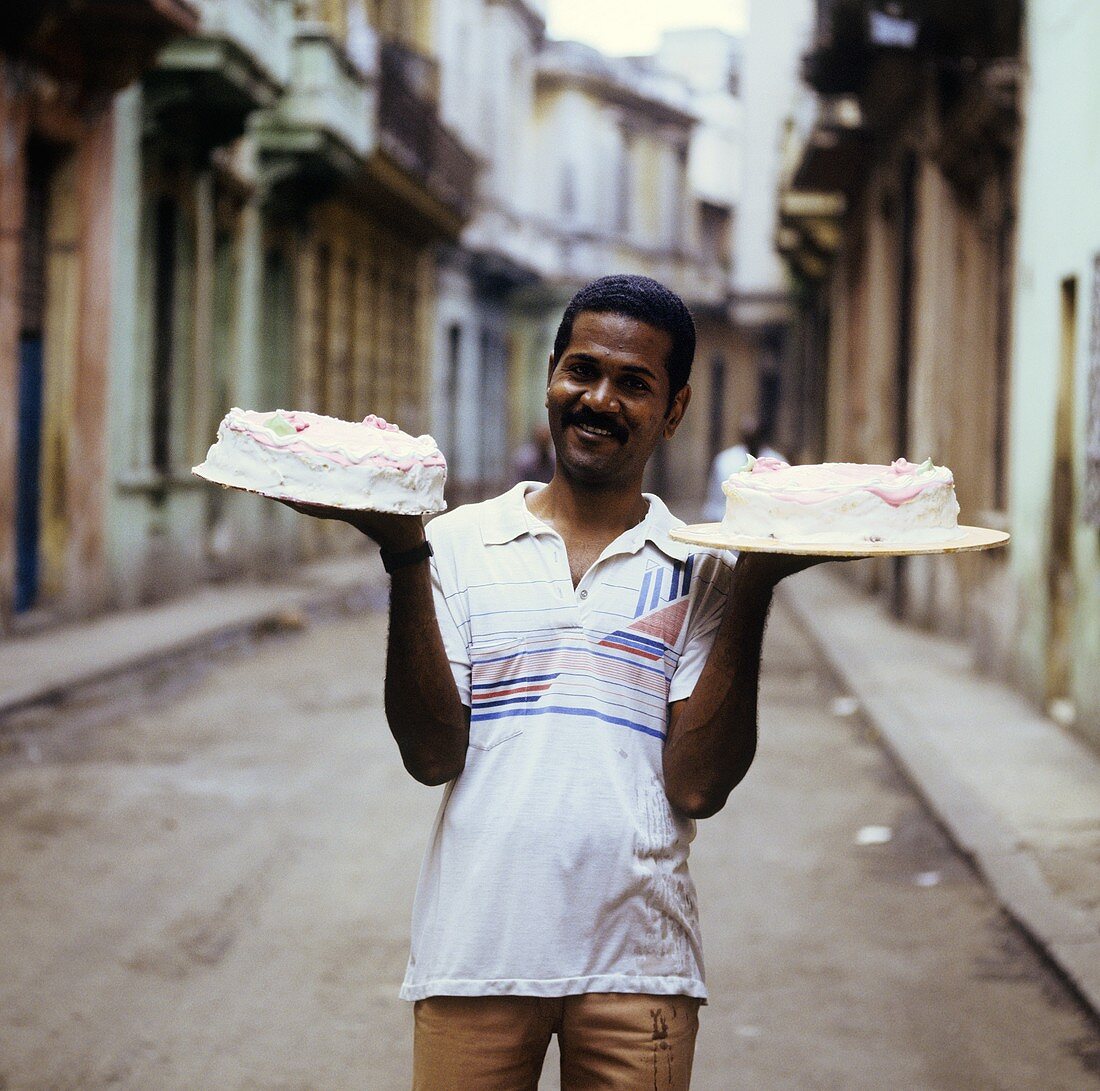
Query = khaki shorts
x=610 y=1041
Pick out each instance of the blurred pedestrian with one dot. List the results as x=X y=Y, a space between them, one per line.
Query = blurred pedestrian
x=731 y=460
x=534 y=461
x=586 y=687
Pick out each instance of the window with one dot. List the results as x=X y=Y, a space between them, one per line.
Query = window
x=624 y=183
x=450 y=391
x=165 y=228
x=569 y=200
x=717 y=406
x=714 y=232
x=1091 y=512
x=322 y=275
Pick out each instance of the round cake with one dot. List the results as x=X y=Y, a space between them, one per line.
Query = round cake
x=323 y=460
x=902 y=503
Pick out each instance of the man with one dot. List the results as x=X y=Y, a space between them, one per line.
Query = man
x=535 y=461
x=730 y=461
x=586 y=688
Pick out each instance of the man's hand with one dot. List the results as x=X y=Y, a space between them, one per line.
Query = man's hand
x=395 y=533
x=765 y=570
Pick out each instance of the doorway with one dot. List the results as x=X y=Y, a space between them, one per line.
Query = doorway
x=32 y=338
x=1060 y=577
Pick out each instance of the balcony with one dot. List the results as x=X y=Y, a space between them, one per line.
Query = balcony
x=237 y=61
x=830 y=153
x=882 y=57
x=824 y=160
x=871 y=42
x=438 y=172
x=323 y=124
x=99 y=45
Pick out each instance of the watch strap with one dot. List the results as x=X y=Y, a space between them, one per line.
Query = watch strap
x=391 y=562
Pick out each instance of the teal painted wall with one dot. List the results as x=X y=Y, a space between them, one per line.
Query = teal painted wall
x=1059 y=238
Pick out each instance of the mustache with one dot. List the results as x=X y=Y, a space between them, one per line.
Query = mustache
x=587 y=417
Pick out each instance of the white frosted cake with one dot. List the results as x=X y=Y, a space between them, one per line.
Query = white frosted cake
x=901 y=503
x=322 y=460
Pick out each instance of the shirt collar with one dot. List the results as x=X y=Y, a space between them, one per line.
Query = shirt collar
x=506 y=518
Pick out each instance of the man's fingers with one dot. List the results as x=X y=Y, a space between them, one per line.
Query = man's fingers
x=773 y=567
x=391 y=531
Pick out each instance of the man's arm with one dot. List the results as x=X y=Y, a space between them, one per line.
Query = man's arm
x=712 y=734
x=425 y=713
x=426 y=716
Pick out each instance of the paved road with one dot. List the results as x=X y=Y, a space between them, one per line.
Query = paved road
x=205 y=883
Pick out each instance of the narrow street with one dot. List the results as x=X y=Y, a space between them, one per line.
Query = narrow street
x=205 y=882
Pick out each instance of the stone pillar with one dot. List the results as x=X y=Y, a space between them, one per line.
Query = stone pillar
x=88 y=476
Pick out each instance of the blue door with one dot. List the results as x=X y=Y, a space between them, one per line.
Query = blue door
x=29 y=457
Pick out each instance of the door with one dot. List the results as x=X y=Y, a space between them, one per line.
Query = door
x=28 y=490
x=1060 y=577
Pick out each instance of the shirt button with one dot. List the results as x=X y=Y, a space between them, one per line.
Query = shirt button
x=584 y=594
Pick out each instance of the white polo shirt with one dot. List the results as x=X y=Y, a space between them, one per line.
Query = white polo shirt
x=556 y=864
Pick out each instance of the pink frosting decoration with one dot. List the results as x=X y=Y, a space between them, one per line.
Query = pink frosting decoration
x=767 y=464
x=815 y=484
x=896 y=497
x=337 y=440
x=371 y=421
x=901 y=466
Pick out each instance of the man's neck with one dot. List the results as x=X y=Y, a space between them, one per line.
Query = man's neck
x=572 y=509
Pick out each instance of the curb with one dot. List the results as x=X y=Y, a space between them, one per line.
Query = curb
x=1069 y=936
x=49 y=667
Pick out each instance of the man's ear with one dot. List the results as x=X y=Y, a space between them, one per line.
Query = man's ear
x=676 y=410
x=549 y=375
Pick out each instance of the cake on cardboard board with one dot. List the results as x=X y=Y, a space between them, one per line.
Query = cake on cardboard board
x=903 y=503
x=294 y=455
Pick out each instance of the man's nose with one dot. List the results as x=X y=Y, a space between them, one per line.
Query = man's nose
x=600 y=397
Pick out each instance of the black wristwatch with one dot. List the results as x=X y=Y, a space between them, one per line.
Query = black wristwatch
x=391 y=562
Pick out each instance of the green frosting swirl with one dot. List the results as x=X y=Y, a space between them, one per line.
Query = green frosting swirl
x=280 y=425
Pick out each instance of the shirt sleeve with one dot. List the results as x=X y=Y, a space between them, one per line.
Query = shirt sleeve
x=450 y=612
x=710 y=587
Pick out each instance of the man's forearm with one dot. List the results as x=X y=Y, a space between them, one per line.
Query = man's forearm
x=712 y=735
x=425 y=714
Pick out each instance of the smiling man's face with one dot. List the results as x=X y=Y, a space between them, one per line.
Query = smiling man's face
x=608 y=399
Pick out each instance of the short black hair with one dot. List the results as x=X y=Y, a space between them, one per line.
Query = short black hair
x=645 y=300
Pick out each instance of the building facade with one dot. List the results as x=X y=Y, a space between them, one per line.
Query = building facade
x=60 y=68
x=1053 y=587
x=344 y=206
x=897 y=214
x=761 y=303
x=488 y=51
x=237 y=202
x=948 y=288
x=612 y=191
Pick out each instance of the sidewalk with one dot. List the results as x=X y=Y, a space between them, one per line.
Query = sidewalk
x=1018 y=794
x=48 y=665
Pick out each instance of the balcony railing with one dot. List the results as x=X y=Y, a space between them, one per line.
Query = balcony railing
x=257 y=30
x=98 y=44
x=411 y=133
x=327 y=109
x=852 y=35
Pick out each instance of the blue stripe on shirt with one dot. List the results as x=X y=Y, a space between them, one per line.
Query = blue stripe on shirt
x=561 y=711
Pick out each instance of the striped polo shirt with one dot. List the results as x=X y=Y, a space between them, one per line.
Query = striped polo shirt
x=556 y=864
